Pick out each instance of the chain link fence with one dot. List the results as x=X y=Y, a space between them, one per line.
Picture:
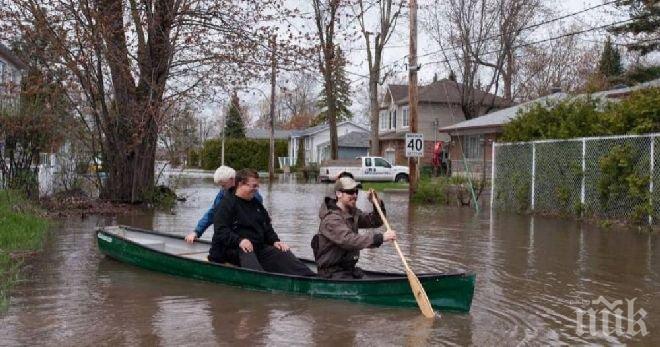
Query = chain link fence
x=609 y=178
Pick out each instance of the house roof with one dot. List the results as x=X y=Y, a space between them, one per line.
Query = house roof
x=393 y=135
x=617 y=93
x=443 y=91
x=9 y=55
x=501 y=117
x=398 y=91
x=504 y=116
x=322 y=127
x=265 y=134
x=354 y=139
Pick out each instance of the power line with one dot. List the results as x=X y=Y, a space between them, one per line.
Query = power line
x=535 y=25
x=544 y=40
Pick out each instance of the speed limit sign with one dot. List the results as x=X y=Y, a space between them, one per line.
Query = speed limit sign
x=414 y=145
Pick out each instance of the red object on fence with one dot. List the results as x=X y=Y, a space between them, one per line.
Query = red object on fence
x=437 y=152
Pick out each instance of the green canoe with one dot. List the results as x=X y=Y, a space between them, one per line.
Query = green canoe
x=171 y=254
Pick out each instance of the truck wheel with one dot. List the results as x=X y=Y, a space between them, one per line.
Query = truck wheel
x=345 y=174
x=401 y=178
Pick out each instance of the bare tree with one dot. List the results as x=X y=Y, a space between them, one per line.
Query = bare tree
x=565 y=63
x=299 y=99
x=477 y=34
x=452 y=26
x=380 y=27
x=326 y=19
x=180 y=132
x=123 y=58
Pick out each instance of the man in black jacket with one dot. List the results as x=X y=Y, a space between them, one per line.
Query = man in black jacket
x=243 y=234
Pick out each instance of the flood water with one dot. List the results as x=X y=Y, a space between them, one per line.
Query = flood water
x=533 y=275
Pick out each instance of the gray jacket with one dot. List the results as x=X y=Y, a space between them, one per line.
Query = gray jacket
x=339 y=242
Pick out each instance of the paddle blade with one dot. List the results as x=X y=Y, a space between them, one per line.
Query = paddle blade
x=420 y=295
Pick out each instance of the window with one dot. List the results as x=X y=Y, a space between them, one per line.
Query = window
x=393 y=126
x=383 y=120
x=323 y=153
x=3 y=70
x=473 y=146
x=404 y=115
x=367 y=162
x=381 y=162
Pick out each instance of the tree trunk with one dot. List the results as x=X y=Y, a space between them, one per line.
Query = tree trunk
x=375 y=114
x=507 y=77
x=131 y=168
x=332 y=107
x=131 y=129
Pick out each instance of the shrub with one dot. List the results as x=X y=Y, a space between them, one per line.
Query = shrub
x=162 y=197
x=193 y=158
x=636 y=114
x=432 y=191
x=241 y=153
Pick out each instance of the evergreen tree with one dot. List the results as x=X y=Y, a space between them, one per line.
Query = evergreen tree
x=452 y=76
x=234 y=128
x=645 y=15
x=610 y=61
x=342 y=91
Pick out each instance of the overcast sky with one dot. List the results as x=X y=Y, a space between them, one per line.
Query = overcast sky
x=395 y=55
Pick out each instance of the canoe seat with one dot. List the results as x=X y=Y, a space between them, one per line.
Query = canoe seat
x=154 y=244
x=197 y=255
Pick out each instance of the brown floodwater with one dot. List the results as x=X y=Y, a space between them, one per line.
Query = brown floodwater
x=534 y=275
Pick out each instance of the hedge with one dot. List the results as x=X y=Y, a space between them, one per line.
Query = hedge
x=636 y=114
x=241 y=153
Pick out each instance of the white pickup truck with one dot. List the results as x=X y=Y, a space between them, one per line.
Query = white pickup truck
x=363 y=169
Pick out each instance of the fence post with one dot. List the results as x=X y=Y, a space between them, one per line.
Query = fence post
x=533 y=173
x=492 y=176
x=652 y=161
x=584 y=169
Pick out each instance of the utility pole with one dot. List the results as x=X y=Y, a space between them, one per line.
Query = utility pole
x=222 y=156
x=271 y=157
x=412 y=91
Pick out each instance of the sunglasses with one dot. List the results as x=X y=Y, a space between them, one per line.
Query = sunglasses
x=349 y=191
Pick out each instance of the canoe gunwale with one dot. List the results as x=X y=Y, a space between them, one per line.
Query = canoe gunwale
x=394 y=277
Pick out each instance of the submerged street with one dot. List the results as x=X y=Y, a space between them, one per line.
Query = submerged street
x=534 y=275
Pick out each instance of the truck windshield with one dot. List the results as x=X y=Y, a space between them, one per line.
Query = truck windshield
x=382 y=162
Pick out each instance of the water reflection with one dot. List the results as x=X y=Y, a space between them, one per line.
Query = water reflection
x=532 y=274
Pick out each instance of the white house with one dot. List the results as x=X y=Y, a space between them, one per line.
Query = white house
x=315 y=142
x=10 y=77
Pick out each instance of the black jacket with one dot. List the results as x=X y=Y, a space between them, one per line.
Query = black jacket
x=234 y=221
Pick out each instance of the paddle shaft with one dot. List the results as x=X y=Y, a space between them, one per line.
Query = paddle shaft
x=387 y=226
x=416 y=286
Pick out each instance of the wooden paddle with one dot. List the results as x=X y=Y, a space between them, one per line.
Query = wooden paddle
x=417 y=289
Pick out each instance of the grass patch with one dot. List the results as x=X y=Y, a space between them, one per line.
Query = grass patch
x=22 y=230
x=380 y=186
x=437 y=190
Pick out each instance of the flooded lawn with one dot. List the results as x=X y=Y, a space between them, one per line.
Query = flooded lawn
x=534 y=275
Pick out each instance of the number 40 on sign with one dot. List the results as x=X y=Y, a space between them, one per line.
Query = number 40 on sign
x=414 y=145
